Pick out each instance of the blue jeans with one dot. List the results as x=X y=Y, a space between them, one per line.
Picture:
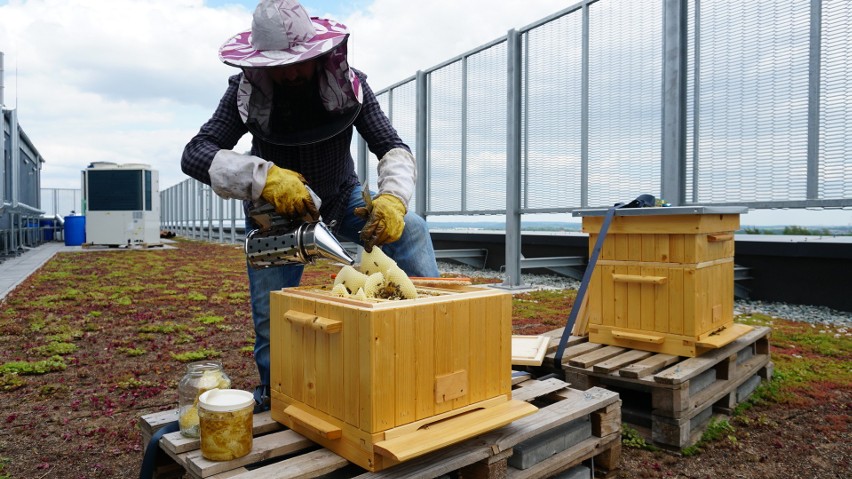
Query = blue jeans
x=413 y=252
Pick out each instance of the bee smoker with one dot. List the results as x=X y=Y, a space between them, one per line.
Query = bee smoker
x=281 y=240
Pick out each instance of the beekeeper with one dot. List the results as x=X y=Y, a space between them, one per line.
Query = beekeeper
x=299 y=98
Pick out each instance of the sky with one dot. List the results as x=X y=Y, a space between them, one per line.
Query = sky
x=131 y=81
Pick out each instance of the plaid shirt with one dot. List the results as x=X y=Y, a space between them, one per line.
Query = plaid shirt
x=326 y=165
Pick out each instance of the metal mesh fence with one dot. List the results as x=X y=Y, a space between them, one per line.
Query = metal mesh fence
x=624 y=100
x=485 y=167
x=446 y=138
x=552 y=103
x=835 y=107
x=752 y=101
x=61 y=201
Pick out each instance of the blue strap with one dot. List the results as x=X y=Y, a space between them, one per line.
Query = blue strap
x=581 y=293
x=642 y=201
x=149 y=461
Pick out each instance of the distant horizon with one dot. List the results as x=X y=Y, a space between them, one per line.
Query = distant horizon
x=576 y=225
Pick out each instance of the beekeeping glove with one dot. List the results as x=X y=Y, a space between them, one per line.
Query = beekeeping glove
x=286 y=190
x=248 y=177
x=385 y=218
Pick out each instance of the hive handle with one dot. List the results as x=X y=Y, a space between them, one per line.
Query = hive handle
x=636 y=278
x=319 y=323
x=717 y=238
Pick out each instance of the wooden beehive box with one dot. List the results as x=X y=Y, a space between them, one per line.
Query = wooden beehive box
x=380 y=382
x=664 y=280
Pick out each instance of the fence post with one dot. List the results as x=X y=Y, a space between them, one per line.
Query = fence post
x=673 y=168
x=814 y=75
x=422 y=135
x=513 y=162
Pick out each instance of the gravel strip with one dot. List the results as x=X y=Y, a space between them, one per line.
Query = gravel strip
x=793 y=312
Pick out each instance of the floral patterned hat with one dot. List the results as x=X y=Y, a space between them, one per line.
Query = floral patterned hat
x=282 y=33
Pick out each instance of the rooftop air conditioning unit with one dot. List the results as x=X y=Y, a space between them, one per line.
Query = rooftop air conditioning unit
x=121 y=204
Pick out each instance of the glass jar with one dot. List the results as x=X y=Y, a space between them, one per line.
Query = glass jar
x=226 y=417
x=200 y=377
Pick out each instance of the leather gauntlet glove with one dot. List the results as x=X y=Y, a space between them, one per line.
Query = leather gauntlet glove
x=385 y=221
x=286 y=190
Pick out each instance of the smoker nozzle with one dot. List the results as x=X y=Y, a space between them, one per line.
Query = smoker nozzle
x=302 y=244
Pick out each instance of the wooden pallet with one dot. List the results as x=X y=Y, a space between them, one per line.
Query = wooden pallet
x=278 y=452
x=669 y=398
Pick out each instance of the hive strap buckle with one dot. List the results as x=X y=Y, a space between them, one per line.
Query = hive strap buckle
x=641 y=201
x=149 y=460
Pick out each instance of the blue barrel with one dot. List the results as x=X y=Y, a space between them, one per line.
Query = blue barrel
x=75 y=230
x=47 y=229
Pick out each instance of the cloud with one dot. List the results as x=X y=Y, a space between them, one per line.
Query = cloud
x=392 y=39
x=123 y=81
x=131 y=80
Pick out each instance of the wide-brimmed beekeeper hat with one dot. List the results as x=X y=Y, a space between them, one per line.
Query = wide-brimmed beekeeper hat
x=282 y=33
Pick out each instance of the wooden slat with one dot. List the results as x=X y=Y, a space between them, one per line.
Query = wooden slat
x=579 y=350
x=504 y=372
x=280 y=375
x=634 y=300
x=492 y=345
x=689 y=368
x=648 y=295
x=297 y=349
x=573 y=404
x=365 y=371
x=461 y=312
x=271 y=445
x=608 y=295
x=534 y=388
x=617 y=362
x=620 y=300
x=593 y=304
x=323 y=367
x=351 y=364
x=405 y=383
x=676 y=314
x=478 y=356
x=444 y=349
x=594 y=357
x=425 y=363
x=648 y=366
x=384 y=370
x=336 y=364
x=661 y=301
x=150 y=423
x=304 y=466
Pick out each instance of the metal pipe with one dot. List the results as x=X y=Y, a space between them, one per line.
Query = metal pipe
x=2 y=83
x=422 y=147
x=814 y=66
x=513 y=162
x=672 y=169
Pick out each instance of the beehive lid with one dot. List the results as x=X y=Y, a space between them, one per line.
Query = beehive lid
x=671 y=210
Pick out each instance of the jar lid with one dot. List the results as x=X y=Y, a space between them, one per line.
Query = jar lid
x=225 y=400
